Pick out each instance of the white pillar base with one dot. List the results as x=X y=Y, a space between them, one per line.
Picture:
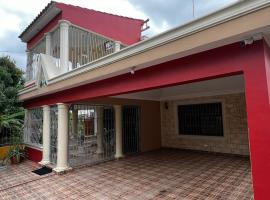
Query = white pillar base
x=60 y=170
x=44 y=162
x=118 y=156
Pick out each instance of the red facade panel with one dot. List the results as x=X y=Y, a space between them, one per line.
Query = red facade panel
x=33 y=154
x=123 y=29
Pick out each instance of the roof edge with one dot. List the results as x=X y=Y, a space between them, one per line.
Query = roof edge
x=43 y=18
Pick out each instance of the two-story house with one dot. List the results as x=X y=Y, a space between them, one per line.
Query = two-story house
x=96 y=92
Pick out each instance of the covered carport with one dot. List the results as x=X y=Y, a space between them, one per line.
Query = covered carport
x=250 y=62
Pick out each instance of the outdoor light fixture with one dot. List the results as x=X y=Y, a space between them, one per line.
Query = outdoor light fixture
x=251 y=40
x=132 y=70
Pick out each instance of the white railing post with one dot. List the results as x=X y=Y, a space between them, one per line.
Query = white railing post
x=64 y=45
x=48 y=43
x=62 y=139
x=117 y=46
x=118 y=131
x=46 y=135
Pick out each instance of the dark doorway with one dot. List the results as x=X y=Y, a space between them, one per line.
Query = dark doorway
x=108 y=131
x=131 y=129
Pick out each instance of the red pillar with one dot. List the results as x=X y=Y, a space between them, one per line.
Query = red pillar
x=257 y=82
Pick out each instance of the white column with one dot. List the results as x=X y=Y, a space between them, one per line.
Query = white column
x=46 y=136
x=118 y=131
x=48 y=43
x=99 y=114
x=64 y=47
x=62 y=139
x=117 y=46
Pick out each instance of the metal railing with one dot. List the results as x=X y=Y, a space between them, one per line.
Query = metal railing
x=33 y=127
x=91 y=135
x=5 y=136
x=32 y=60
x=85 y=46
x=53 y=133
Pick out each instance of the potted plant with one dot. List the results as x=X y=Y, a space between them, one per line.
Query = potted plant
x=16 y=154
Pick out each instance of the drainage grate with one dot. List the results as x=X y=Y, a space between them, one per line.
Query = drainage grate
x=42 y=171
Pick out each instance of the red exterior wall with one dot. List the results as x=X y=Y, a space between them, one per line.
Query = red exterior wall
x=258 y=110
x=252 y=60
x=123 y=29
x=33 y=154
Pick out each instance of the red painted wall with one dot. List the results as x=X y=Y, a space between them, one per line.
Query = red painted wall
x=33 y=154
x=123 y=29
x=258 y=111
x=126 y=30
x=252 y=60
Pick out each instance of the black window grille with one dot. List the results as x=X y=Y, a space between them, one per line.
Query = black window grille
x=200 y=119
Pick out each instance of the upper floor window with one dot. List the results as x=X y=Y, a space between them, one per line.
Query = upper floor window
x=200 y=119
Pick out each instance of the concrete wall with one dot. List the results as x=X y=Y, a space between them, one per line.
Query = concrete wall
x=235 y=138
x=150 y=130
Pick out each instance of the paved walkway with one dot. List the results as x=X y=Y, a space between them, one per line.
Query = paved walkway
x=163 y=174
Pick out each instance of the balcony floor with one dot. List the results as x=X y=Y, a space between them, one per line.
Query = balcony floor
x=163 y=174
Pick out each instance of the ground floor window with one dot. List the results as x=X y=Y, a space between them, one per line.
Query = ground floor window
x=200 y=119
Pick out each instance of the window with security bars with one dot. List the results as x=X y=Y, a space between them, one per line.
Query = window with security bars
x=33 y=127
x=200 y=119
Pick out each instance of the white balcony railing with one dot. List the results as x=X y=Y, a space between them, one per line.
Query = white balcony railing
x=83 y=47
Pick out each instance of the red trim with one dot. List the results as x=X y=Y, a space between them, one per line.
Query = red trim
x=33 y=154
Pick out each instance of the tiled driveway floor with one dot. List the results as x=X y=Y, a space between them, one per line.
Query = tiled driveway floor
x=164 y=174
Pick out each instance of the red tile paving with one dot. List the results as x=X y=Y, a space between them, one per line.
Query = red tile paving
x=164 y=174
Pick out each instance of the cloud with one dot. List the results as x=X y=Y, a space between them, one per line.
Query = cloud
x=164 y=14
x=12 y=46
x=15 y=15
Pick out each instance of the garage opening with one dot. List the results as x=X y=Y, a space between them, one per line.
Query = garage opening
x=206 y=115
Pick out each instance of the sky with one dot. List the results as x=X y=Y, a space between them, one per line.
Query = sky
x=15 y=16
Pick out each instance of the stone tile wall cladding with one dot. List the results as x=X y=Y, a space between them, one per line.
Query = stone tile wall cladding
x=235 y=140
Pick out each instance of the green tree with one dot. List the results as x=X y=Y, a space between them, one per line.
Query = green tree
x=11 y=81
x=11 y=111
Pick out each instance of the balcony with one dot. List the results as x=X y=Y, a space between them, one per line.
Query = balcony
x=65 y=48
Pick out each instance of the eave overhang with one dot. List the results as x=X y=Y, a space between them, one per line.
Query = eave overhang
x=44 y=17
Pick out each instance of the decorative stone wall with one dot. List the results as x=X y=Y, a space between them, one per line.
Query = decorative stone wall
x=235 y=140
